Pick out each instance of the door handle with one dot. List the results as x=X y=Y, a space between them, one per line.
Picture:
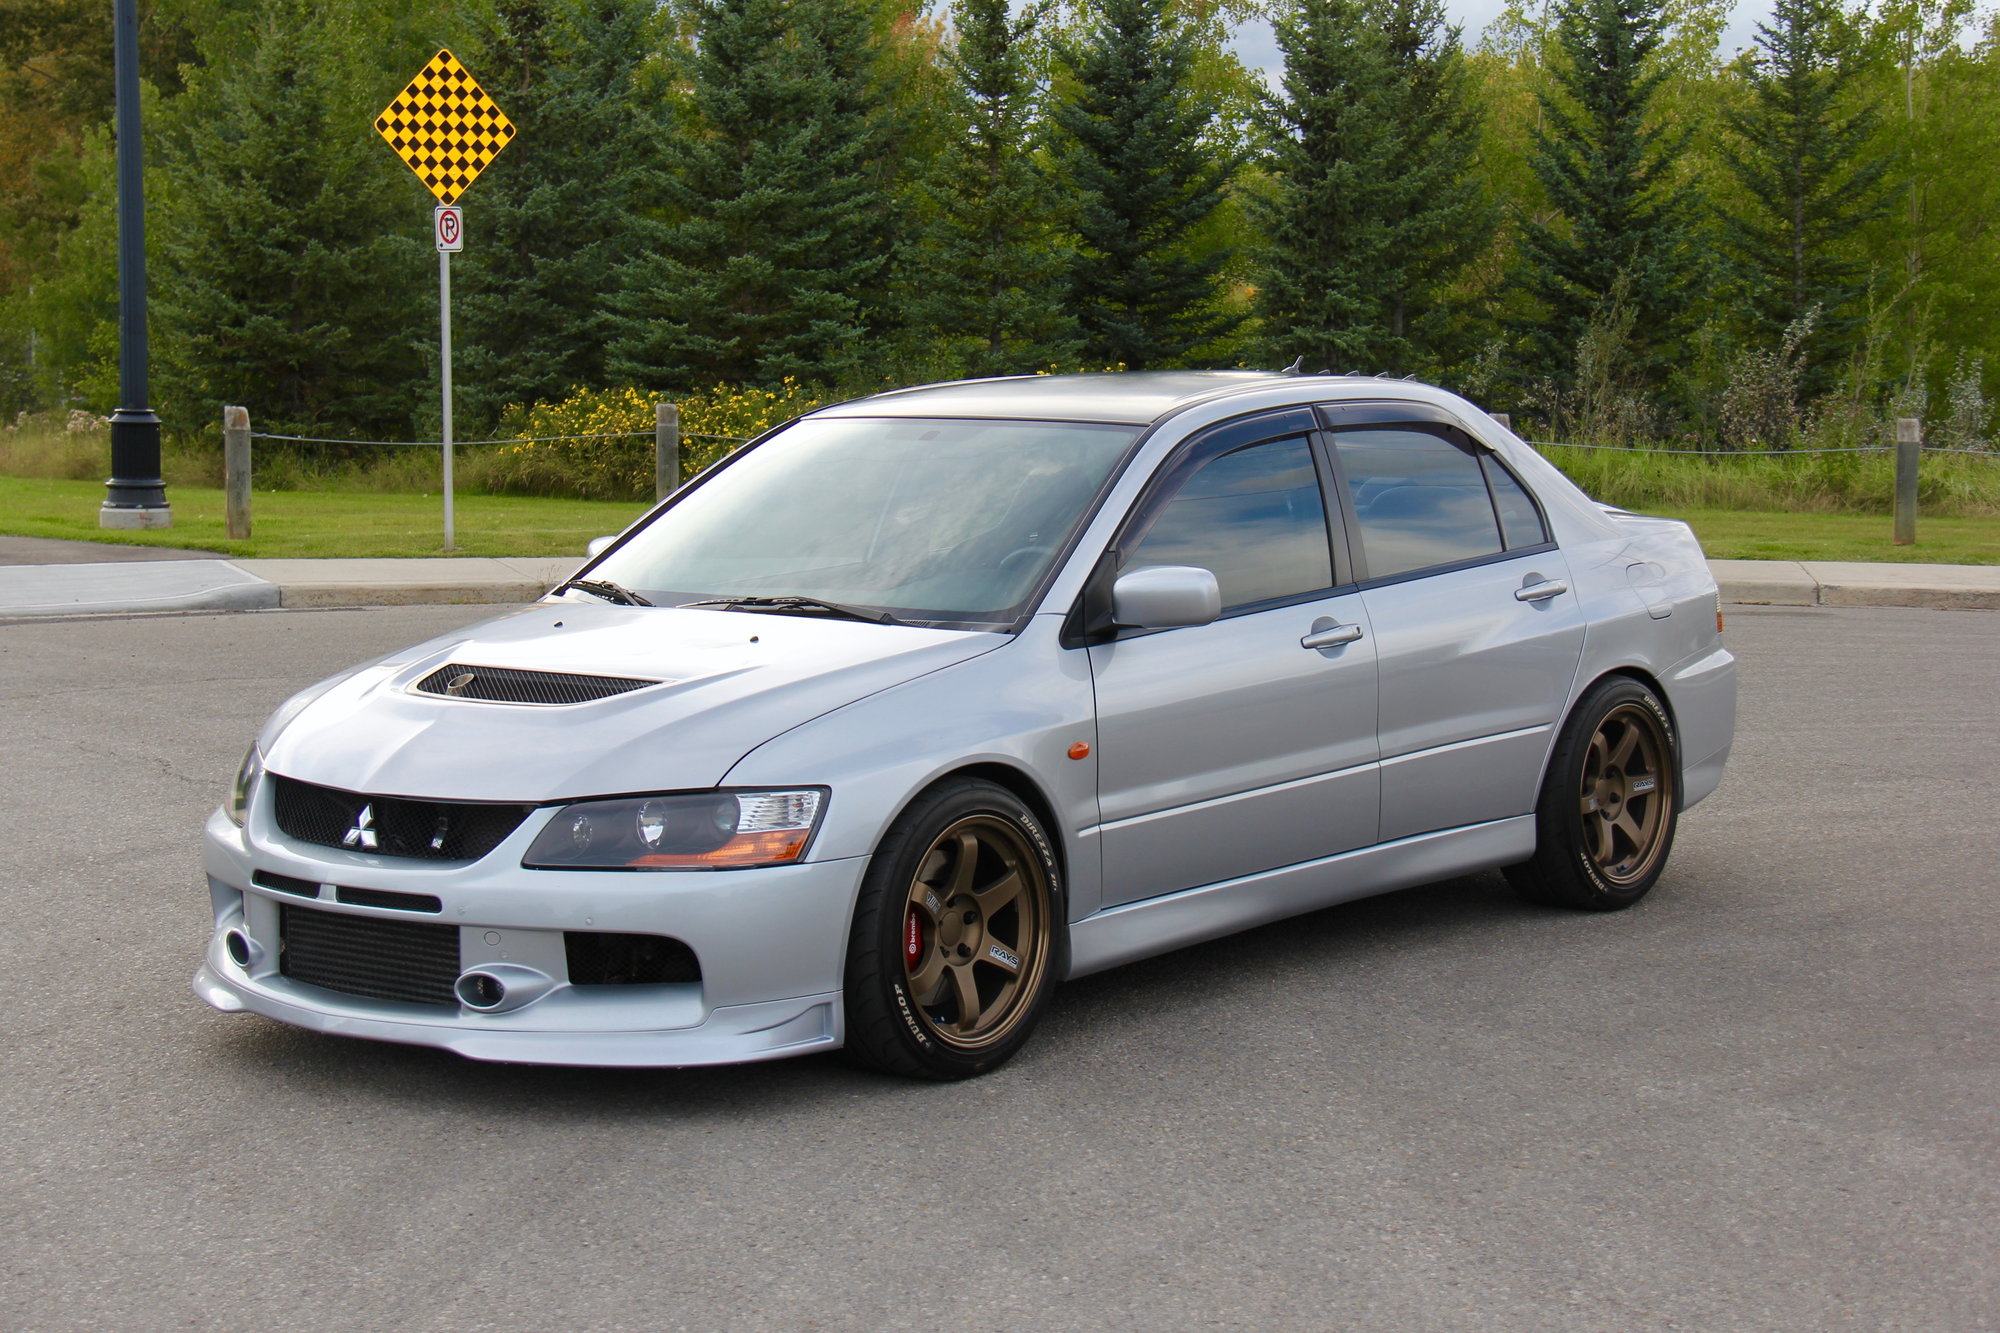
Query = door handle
x=1540 y=592
x=1331 y=638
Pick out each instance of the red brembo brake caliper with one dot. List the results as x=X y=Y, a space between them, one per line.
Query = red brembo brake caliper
x=913 y=940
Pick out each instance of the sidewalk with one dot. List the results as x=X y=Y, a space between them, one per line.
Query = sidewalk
x=69 y=583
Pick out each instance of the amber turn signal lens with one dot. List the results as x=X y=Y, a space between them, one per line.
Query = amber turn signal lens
x=1081 y=750
x=745 y=849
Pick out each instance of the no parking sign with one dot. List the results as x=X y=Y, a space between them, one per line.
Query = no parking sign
x=448 y=224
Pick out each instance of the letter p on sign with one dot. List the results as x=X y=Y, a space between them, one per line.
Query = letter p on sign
x=448 y=222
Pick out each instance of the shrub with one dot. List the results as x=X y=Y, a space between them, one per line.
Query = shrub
x=1968 y=413
x=1760 y=405
x=614 y=458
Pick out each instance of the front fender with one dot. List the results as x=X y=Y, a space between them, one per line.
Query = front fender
x=1022 y=706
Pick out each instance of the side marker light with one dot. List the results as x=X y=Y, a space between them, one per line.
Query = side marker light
x=1080 y=750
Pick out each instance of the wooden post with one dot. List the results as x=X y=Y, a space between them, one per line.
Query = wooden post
x=1506 y=419
x=1909 y=439
x=236 y=472
x=666 y=449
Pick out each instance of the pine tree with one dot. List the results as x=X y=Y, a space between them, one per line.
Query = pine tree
x=292 y=277
x=985 y=267
x=1627 y=224
x=551 y=218
x=1801 y=150
x=1373 y=210
x=772 y=251
x=1136 y=150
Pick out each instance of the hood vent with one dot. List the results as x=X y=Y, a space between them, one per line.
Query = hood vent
x=505 y=685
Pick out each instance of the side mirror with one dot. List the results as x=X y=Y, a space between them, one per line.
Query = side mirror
x=597 y=545
x=1165 y=597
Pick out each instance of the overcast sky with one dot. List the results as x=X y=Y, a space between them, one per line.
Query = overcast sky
x=1260 y=52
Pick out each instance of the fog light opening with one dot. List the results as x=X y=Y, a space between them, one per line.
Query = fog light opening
x=481 y=990
x=239 y=947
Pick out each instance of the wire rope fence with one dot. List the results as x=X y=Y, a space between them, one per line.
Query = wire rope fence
x=502 y=439
x=628 y=469
x=1820 y=479
x=1722 y=454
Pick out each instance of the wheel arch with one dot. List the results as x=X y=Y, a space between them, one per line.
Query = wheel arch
x=1640 y=675
x=1023 y=786
x=1644 y=677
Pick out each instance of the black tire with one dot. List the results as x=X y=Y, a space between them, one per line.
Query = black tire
x=916 y=950
x=1605 y=821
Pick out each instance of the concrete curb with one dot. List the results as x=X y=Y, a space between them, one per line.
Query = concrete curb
x=126 y=588
x=1850 y=583
x=123 y=588
x=443 y=579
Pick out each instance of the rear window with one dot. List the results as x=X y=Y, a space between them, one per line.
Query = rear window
x=1419 y=500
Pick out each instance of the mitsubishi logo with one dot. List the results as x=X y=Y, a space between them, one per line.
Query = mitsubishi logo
x=362 y=835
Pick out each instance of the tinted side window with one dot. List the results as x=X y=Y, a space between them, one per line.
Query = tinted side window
x=1520 y=521
x=1419 y=500
x=1254 y=517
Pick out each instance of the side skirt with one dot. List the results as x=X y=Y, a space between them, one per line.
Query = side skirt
x=1155 y=925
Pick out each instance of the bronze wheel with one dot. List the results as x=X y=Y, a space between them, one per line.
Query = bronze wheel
x=1605 y=820
x=1626 y=793
x=975 y=932
x=956 y=937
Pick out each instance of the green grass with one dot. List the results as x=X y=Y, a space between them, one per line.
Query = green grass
x=322 y=523
x=1948 y=485
x=1734 y=534
x=363 y=523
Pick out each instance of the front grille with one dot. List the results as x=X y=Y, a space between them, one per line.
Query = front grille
x=269 y=879
x=401 y=902
x=412 y=961
x=394 y=825
x=602 y=958
x=505 y=685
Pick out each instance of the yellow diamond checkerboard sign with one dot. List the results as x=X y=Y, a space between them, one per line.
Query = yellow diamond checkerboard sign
x=445 y=127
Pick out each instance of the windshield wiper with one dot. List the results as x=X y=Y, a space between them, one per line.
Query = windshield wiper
x=800 y=603
x=609 y=591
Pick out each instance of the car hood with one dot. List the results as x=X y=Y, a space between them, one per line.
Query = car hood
x=729 y=682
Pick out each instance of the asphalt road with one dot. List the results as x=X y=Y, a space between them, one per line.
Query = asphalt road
x=1764 y=1099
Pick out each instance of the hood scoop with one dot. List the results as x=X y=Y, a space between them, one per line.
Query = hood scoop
x=510 y=685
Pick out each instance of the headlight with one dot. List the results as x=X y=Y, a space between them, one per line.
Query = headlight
x=715 y=830
x=246 y=782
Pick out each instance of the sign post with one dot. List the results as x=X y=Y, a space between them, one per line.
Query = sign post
x=446 y=130
x=448 y=225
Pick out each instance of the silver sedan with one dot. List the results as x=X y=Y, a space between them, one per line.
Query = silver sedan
x=874 y=732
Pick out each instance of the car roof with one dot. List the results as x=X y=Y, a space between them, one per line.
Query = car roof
x=1137 y=398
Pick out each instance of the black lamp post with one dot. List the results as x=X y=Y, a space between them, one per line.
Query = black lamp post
x=135 y=497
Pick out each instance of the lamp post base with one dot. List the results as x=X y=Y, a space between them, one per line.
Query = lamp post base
x=135 y=497
x=132 y=519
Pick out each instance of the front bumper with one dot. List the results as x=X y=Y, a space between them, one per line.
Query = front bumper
x=771 y=943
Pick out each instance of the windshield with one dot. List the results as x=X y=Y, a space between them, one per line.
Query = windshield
x=928 y=520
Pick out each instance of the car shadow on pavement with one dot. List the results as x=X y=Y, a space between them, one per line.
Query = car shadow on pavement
x=1336 y=949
